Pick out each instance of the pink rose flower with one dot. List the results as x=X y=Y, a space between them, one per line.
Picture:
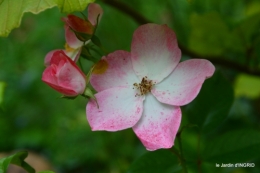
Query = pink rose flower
x=144 y=89
x=73 y=44
x=63 y=75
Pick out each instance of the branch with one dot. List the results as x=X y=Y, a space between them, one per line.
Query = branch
x=127 y=10
x=222 y=61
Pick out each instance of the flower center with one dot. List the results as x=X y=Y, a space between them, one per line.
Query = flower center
x=144 y=87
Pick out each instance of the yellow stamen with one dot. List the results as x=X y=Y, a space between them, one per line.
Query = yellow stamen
x=144 y=87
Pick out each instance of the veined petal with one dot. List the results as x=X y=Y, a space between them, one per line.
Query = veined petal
x=114 y=70
x=184 y=83
x=154 y=51
x=95 y=13
x=158 y=125
x=118 y=109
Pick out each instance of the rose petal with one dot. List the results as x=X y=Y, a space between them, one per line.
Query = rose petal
x=78 y=24
x=59 y=56
x=184 y=83
x=71 y=38
x=47 y=59
x=158 y=125
x=154 y=51
x=118 y=109
x=49 y=77
x=70 y=77
x=73 y=54
x=114 y=70
x=65 y=91
x=94 y=12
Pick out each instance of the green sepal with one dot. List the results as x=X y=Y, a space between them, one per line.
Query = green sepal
x=84 y=16
x=82 y=36
x=85 y=53
x=96 y=41
x=88 y=93
x=16 y=159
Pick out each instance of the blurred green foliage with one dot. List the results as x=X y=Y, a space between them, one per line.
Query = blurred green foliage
x=2 y=87
x=12 y=12
x=17 y=159
x=34 y=117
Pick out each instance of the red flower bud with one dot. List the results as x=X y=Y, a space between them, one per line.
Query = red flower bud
x=64 y=75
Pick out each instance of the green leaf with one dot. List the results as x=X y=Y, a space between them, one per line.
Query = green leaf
x=2 y=87
x=236 y=146
x=68 y=6
x=248 y=29
x=11 y=12
x=247 y=85
x=204 y=39
x=209 y=34
x=17 y=159
x=213 y=103
x=156 y=161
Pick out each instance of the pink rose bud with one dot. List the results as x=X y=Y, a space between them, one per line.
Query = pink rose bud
x=82 y=28
x=64 y=75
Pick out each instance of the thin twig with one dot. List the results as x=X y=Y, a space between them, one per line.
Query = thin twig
x=178 y=136
x=127 y=10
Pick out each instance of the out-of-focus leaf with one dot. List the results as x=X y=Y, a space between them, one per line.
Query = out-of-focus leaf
x=232 y=147
x=248 y=29
x=2 y=87
x=246 y=85
x=208 y=32
x=17 y=159
x=120 y=38
x=68 y=6
x=212 y=104
x=180 y=14
x=46 y=172
x=210 y=35
x=11 y=12
x=252 y=8
x=156 y=161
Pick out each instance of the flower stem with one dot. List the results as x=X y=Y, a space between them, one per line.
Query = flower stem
x=181 y=153
x=199 y=160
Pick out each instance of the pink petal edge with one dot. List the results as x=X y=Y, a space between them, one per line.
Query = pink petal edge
x=154 y=51
x=184 y=83
x=159 y=124
x=93 y=11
